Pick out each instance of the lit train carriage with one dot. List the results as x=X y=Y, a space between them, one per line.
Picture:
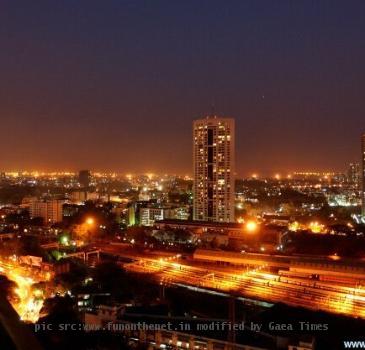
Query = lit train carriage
x=335 y=271
x=295 y=274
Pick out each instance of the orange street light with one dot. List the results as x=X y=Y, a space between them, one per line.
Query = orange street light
x=251 y=226
x=240 y=220
x=90 y=221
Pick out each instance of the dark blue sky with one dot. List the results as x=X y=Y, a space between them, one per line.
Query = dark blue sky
x=114 y=85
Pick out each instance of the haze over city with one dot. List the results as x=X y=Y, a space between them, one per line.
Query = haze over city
x=182 y=175
x=115 y=86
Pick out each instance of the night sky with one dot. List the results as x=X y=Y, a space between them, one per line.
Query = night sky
x=115 y=85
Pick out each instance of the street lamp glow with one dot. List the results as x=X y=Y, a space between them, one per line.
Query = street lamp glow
x=90 y=221
x=64 y=240
x=240 y=220
x=251 y=226
x=316 y=227
x=294 y=226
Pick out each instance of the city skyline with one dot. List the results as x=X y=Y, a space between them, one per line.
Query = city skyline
x=190 y=173
x=182 y=175
x=113 y=89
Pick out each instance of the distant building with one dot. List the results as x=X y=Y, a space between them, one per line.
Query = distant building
x=79 y=197
x=84 y=178
x=363 y=174
x=214 y=159
x=102 y=316
x=50 y=210
x=70 y=210
x=354 y=175
x=230 y=228
x=179 y=213
x=134 y=209
x=150 y=214
x=275 y=219
x=144 y=196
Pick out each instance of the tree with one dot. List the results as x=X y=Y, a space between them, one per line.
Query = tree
x=111 y=278
x=72 y=279
x=29 y=245
x=137 y=233
x=7 y=288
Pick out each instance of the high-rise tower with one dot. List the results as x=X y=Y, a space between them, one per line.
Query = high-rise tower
x=363 y=175
x=214 y=159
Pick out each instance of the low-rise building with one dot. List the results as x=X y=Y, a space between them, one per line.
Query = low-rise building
x=79 y=197
x=50 y=210
x=102 y=315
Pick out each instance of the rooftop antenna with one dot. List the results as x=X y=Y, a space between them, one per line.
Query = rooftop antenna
x=213 y=110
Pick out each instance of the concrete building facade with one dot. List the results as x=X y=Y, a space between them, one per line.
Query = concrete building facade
x=214 y=165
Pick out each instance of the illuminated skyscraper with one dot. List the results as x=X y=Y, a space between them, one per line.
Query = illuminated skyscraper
x=214 y=159
x=363 y=174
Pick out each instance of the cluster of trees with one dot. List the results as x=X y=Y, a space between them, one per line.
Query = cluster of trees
x=325 y=244
x=108 y=277
x=174 y=235
x=24 y=245
x=7 y=289
x=13 y=194
x=22 y=219
x=146 y=238
x=106 y=222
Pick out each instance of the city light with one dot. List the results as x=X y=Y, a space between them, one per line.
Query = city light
x=243 y=223
x=90 y=221
x=64 y=240
x=316 y=227
x=294 y=226
x=251 y=226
